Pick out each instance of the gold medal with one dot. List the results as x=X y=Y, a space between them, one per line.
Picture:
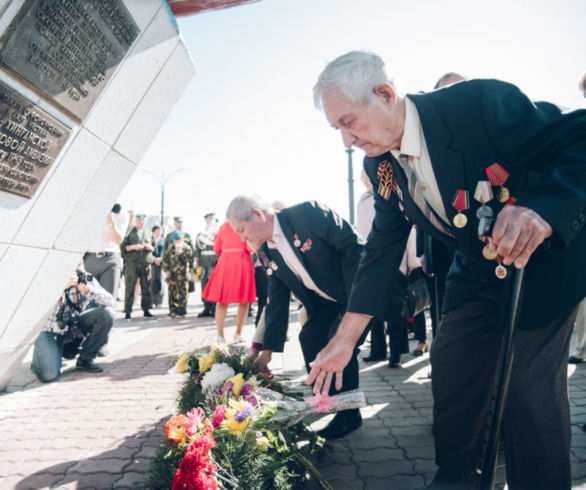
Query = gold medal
x=503 y=194
x=460 y=220
x=501 y=271
x=489 y=254
x=296 y=241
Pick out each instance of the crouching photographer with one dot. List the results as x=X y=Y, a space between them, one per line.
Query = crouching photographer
x=79 y=324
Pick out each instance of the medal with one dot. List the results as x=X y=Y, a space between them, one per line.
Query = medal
x=461 y=202
x=485 y=225
x=500 y=271
x=269 y=272
x=296 y=242
x=503 y=194
x=497 y=175
x=460 y=220
x=489 y=254
x=483 y=194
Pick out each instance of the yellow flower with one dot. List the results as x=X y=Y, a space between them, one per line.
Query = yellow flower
x=238 y=411
x=206 y=362
x=182 y=362
x=262 y=443
x=238 y=381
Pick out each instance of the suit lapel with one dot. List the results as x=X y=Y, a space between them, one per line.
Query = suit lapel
x=289 y=233
x=448 y=165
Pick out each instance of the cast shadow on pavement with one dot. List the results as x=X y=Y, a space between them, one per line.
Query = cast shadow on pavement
x=124 y=466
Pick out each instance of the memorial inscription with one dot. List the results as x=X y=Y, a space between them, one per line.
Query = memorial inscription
x=30 y=140
x=68 y=49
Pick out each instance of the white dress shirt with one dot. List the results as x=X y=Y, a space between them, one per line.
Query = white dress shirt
x=280 y=243
x=413 y=144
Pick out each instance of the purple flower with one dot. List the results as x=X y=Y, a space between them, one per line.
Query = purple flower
x=246 y=390
x=251 y=399
x=242 y=414
x=227 y=388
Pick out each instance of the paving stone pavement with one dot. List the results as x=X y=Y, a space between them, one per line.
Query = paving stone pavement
x=100 y=431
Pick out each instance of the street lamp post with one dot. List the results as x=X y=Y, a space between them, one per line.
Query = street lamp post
x=350 y=185
x=162 y=179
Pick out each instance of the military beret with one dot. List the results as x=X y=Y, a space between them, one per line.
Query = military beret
x=140 y=215
x=207 y=215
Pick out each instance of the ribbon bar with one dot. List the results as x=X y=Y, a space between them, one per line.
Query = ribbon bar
x=461 y=200
x=497 y=174
x=483 y=192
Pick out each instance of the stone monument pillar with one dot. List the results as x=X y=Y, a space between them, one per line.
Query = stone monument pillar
x=84 y=87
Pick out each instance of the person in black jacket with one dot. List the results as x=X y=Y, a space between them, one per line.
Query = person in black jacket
x=310 y=251
x=450 y=161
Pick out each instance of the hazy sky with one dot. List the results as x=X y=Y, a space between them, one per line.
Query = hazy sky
x=246 y=123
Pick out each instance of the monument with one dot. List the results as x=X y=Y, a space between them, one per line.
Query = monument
x=84 y=87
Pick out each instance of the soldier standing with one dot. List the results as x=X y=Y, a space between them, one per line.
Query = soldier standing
x=205 y=258
x=137 y=250
x=177 y=260
x=178 y=224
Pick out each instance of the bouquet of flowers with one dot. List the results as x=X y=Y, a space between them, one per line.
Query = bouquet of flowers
x=238 y=428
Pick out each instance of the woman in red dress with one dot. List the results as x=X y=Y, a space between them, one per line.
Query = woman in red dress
x=232 y=280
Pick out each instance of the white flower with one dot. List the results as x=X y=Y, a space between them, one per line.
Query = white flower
x=216 y=376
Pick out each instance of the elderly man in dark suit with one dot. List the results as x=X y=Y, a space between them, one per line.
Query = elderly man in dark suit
x=448 y=161
x=310 y=251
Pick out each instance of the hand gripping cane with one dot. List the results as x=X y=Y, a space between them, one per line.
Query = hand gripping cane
x=488 y=466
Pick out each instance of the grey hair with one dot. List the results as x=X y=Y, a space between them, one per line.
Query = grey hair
x=354 y=75
x=241 y=207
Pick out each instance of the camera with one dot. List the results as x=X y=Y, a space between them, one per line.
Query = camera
x=84 y=277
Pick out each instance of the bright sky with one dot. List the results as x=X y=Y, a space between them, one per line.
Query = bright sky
x=246 y=123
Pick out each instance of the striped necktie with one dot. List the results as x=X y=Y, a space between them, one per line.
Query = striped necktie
x=416 y=193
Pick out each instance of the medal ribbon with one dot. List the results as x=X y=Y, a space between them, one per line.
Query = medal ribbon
x=497 y=174
x=461 y=200
x=483 y=192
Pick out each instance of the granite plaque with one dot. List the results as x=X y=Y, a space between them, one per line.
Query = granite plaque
x=30 y=140
x=68 y=49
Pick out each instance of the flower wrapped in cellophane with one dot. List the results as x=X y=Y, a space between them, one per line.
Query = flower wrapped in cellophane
x=237 y=428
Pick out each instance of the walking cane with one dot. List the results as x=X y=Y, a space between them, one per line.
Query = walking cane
x=488 y=467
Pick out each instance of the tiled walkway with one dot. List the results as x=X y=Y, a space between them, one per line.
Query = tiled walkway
x=102 y=430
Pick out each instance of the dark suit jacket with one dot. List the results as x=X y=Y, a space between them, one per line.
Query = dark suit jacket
x=331 y=262
x=467 y=127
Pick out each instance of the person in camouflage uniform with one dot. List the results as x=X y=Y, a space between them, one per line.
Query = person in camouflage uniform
x=178 y=224
x=176 y=264
x=205 y=259
x=137 y=251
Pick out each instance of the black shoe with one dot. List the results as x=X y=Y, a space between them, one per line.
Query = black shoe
x=342 y=424
x=421 y=349
x=127 y=316
x=395 y=362
x=371 y=358
x=204 y=313
x=148 y=314
x=575 y=360
x=88 y=365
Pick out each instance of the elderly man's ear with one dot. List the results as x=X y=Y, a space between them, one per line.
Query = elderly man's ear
x=257 y=212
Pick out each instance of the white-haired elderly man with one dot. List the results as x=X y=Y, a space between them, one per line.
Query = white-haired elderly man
x=310 y=251
x=449 y=161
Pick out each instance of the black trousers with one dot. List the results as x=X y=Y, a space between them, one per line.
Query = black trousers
x=316 y=333
x=536 y=418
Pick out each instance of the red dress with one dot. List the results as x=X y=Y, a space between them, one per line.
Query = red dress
x=232 y=280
